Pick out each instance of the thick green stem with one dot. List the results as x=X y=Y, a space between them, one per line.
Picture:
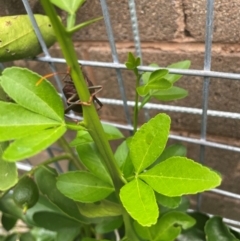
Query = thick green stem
x=136 y=108
x=91 y=118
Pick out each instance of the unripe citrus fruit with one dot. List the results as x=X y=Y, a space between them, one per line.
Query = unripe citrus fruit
x=25 y=193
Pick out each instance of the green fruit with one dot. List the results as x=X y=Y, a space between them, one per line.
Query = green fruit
x=25 y=193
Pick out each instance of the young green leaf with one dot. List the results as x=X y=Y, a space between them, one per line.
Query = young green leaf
x=47 y=186
x=32 y=144
x=83 y=187
x=23 y=42
x=179 y=65
x=69 y=6
x=178 y=176
x=8 y=171
x=139 y=201
x=132 y=62
x=42 y=99
x=157 y=75
x=215 y=229
x=174 y=93
x=17 y=122
x=91 y=159
x=98 y=210
x=149 y=142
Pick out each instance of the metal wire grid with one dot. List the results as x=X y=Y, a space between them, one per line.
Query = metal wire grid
x=206 y=73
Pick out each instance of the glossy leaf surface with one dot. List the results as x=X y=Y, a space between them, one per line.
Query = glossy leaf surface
x=149 y=141
x=32 y=144
x=42 y=99
x=83 y=187
x=139 y=201
x=178 y=176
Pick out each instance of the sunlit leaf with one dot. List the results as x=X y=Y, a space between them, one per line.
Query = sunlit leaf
x=139 y=201
x=20 y=85
x=178 y=176
x=149 y=141
x=32 y=144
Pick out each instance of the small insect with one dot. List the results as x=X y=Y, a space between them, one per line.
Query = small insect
x=73 y=101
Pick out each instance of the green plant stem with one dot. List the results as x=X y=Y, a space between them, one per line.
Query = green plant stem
x=71 y=18
x=136 y=108
x=90 y=115
x=129 y=230
x=74 y=158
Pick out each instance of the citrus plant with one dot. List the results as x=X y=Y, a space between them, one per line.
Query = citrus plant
x=135 y=193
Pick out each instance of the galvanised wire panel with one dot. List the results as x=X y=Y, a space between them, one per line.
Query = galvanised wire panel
x=205 y=73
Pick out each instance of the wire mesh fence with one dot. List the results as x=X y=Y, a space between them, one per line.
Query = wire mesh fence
x=205 y=73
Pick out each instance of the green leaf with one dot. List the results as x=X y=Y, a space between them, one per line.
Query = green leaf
x=47 y=186
x=139 y=201
x=11 y=237
x=167 y=228
x=132 y=62
x=18 y=38
x=17 y=122
x=32 y=144
x=103 y=209
x=178 y=176
x=169 y=202
x=215 y=229
x=8 y=171
x=109 y=225
x=170 y=151
x=54 y=221
x=42 y=99
x=27 y=237
x=68 y=6
x=174 y=93
x=91 y=159
x=8 y=206
x=123 y=159
x=8 y=221
x=146 y=75
x=68 y=234
x=157 y=75
x=83 y=187
x=179 y=65
x=83 y=137
x=43 y=205
x=149 y=142
x=197 y=231
x=41 y=234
